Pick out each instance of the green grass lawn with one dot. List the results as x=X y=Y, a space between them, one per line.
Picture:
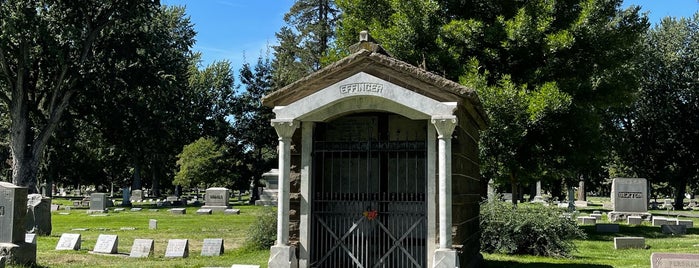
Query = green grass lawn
x=597 y=251
x=232 y=228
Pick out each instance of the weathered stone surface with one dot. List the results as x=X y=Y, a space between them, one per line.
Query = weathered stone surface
x=152 y=224
x=634 y=220
x=629 y=198
x=203 y=211
x=142 y=248
x=178 y=211
x=673 y=260
x=212 y=247
x=177 y=248
x=629 y=242
x=136 y=195
x=69 y=242
x=607 y=227
x=108 y=244
x=587 y=220
x=217 y=199
x=673 y=229
x=13 y=209
x=38 y=219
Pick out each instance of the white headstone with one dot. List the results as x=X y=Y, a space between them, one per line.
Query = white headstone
x=68 y=242
x=30 y=238
x=142 y=248
x=107 y=244
x=153 y=224
x=212 y=247
x=177 y=248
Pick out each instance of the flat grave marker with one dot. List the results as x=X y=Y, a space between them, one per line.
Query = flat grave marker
x=673 y=260
x=629 y=242
x=142 y=248
x=177 y=248
x=204 y=211
x=178 y=211
x=245 y=266
x=607 y=227
x=108 y=244
x=212 y=247
x=673 y=229
x=68 y=242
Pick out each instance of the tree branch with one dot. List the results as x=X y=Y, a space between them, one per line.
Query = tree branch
x=5 y=69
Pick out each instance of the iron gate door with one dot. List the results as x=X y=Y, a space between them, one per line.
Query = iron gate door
x=369 y=206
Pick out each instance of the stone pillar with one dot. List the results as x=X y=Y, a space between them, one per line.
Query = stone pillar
x=282 y=254
x=445 y=256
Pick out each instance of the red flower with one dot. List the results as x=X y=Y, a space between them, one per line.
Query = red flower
x=370 y=215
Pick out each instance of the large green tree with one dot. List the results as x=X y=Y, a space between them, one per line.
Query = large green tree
x=305 y=40
x=47 y=54
x=659 y=131
x=567 y=61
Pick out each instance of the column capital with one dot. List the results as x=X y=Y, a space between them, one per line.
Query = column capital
x=445 y=125
x=285 y=127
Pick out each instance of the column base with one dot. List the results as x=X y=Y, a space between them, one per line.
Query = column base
x=283 y=257
x=446 y=258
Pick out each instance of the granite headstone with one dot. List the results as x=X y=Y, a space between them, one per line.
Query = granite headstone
x=142 y=248
x=98 y=202
x=68 y=242
x=629 y=198
x=108 y=244
x=13 y=210
x=38 y=219
x=673 y=260
x=177 y=248
x=212 y=247
x=216 y=199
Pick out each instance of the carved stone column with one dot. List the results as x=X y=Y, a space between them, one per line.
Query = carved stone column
x=445 y=256
x=282 y=254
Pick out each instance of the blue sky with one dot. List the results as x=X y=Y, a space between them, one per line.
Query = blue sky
x=240 y=30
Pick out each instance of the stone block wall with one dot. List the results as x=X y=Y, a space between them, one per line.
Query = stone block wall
x=467 y=189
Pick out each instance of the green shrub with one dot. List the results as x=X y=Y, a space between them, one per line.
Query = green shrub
x=263 y=233
x=528 y=229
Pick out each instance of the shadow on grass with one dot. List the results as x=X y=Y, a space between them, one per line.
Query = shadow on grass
x=512 y=264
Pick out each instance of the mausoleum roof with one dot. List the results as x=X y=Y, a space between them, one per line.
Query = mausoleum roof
x=382 y=66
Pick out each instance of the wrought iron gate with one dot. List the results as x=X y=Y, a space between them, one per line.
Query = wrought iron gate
x=369 y=206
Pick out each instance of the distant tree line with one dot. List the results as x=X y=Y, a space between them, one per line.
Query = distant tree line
x=575 y=90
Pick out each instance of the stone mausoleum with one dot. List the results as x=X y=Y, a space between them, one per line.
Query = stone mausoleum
x=378 y=166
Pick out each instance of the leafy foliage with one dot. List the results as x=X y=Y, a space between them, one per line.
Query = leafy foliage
x=658 y=132
x=528 y=229
x=263 y=232
x=200 y=164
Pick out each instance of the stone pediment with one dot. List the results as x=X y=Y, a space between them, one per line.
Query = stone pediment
x=368 y=81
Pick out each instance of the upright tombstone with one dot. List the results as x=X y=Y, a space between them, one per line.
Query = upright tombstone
x=216 y=199
x=268 y=196
x=98 y=203
x=629 y=198
x=136 y=195
x=141 y=248
x=69 y=242
x=107 y=244
x=212 y=247
x=38 y=219
x=177 y=248
x=13 y=209
x=126 y=196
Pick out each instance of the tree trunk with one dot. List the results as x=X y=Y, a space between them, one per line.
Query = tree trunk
x=515 y=189
x=136 y=184
x=680 y=190
x=156 y=182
